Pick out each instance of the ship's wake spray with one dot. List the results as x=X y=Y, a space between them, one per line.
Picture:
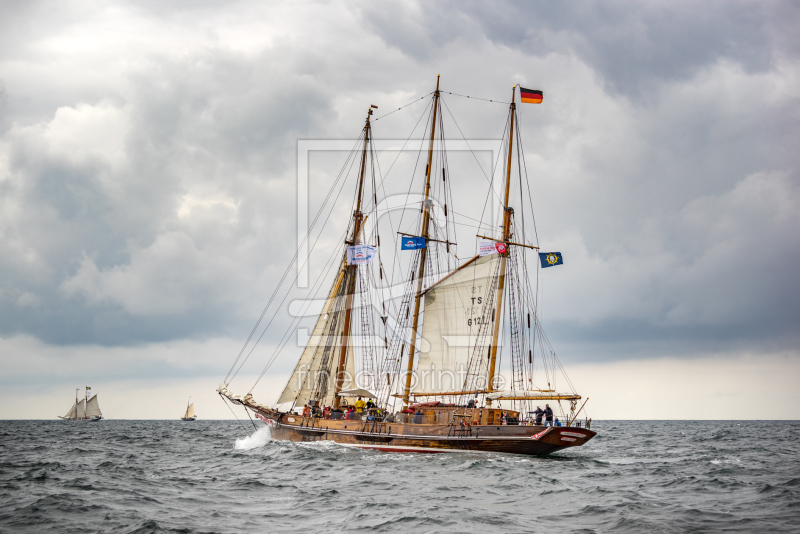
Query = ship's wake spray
x=257 y=439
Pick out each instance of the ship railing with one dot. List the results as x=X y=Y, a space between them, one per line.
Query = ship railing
x=410 y=419
x=460 y=425
x=575 y=424
x=310 y=422
x=373 y=427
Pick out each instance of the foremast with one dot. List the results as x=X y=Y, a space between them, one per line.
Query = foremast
x=423 y=253
x=358 y=219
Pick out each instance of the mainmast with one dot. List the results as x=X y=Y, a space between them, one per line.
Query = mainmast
x=507 y=212
x=424 y=252
x=358 y=219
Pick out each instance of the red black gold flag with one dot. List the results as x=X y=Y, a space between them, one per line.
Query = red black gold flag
x=530 y=96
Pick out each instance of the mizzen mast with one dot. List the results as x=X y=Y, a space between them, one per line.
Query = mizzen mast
x=424 y=252
x=358 y=219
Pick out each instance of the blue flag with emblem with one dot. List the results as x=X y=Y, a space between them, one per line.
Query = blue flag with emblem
x=412 y=243
x=549 y=259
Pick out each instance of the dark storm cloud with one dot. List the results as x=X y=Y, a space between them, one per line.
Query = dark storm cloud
x=632 y=46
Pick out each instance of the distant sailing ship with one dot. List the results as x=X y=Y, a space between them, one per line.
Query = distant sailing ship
x=450 y=323
x=189 y=415
x=87 y=409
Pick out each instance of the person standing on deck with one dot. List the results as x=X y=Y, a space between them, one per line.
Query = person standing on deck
x=538 y=412
x=548 y=415
x=360 y=405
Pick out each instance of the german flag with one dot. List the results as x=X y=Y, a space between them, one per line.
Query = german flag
x=530 y=96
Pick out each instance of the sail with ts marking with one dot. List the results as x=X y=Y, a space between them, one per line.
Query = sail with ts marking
x=458 y=329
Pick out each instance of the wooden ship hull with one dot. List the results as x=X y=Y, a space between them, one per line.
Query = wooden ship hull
x=391 y=437
x=531 y=440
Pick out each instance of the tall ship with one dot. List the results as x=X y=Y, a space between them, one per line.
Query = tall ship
x=85 y=409
x=415 y=349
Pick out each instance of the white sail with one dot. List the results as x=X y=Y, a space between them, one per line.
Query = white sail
x=301 y=385
x=93 y=408
x=189 y=412
x=70 y=413
x=82 y=409
x=457 y=328
x=349 y=381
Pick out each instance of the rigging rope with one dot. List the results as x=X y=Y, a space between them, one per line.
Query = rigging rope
x=478 y=98
x=236 y=416
x=401 y=107
x=288 y=268
x=292 y=262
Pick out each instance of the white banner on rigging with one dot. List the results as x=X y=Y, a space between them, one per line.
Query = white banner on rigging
x=486 y=247
x=360 y=254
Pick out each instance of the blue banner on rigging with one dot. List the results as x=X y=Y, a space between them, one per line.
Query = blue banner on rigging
x=549 y=259
x=412 y=243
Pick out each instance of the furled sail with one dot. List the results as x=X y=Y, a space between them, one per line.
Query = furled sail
x=93 y=408
x=534 y=394
x=458 y=329
x=301 y=385
x=189 y=412
x=82 y=409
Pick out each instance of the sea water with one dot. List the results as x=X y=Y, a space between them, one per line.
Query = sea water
x=220 y=476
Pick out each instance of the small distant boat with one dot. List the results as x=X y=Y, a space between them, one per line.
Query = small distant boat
x=87 y=409
x=189 y=415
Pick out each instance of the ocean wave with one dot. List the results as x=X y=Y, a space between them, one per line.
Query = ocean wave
x=212 y=477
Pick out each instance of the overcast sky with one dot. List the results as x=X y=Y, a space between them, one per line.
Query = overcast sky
x=148 y=185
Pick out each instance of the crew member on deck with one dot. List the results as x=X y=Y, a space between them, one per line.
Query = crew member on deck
x=360 y=405
x=538 y=412
x=306 y=411
x=548 y=415
x=370 y=404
